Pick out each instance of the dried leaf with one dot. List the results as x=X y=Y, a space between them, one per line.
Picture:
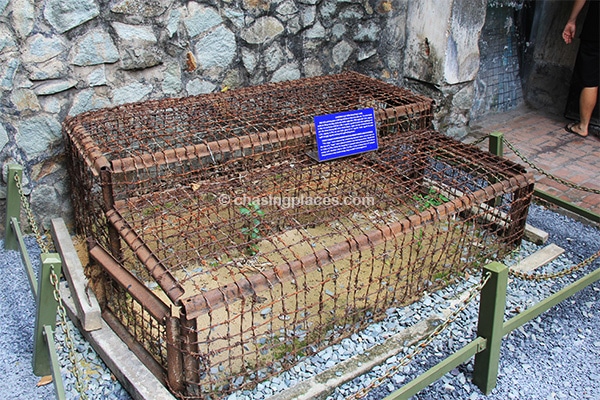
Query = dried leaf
x=191 y=62
x=44 y=380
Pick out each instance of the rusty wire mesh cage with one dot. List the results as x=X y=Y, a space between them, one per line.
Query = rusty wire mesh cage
x=241 y=254
x=146 y=144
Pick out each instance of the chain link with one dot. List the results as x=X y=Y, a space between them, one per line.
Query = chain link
x=547 y=174
x=418 y=348
x=80 y=385
x=555 y=275
x=481 y=139
x=30 y=218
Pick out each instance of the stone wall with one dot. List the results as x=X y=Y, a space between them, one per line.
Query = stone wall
x=63 y=57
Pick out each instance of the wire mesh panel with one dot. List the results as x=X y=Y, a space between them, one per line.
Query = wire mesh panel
x=216 y=222
x=147 y=143
x=136 y=314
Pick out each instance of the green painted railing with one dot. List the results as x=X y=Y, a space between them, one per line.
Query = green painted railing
x=491 y=326
x=45 y=359
x=490 y=331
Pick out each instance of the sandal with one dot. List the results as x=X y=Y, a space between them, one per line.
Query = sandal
x=569 y=128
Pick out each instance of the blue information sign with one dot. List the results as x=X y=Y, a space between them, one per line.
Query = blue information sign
x=346 y=133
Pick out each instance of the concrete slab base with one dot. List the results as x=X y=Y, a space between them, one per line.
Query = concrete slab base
x=539 y=258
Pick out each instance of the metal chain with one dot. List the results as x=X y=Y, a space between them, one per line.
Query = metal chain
x=418 y=348
x=30 y=218
x=547 y=174
x=80 y=385
x=554 y=275
x=54 y=280
x=481 y=139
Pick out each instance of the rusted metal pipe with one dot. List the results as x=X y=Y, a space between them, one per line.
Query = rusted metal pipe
x=159 y=272
x=109 y=202
x=518 y=214
x=191 y=355
x=174 y=355
x=155 y=306
x=79 y=138
x=228 y=145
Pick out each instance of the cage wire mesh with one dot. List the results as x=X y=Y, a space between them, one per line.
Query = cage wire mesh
x=215 y=230
x=147 y=143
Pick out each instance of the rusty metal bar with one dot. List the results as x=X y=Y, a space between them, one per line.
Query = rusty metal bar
x=93 y=157
x=109 y=202
x=228 y=145
x=138 y=291
x=159 y=272
x=395 y=112
x=518 y=214
x=174 y=356
x=191 y=354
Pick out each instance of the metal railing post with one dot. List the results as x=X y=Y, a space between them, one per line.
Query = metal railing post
x=13 y=205
x=192 y=368
x=496 y=144
x=496 y=147
x=114 y=239
x=59 y=386
x=47 y=306
x=490 y=326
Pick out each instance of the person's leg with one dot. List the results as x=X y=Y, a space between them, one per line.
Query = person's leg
x=587 y=102
x=587 y=70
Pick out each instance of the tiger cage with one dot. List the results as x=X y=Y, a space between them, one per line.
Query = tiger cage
x=223 y=253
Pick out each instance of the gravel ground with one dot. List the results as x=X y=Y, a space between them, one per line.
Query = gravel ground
x=555 y=356
x=17 y=319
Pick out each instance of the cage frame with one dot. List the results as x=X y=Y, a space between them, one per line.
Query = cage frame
x=178 y=320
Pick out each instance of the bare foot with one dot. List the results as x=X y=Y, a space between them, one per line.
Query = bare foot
x=576 y=129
